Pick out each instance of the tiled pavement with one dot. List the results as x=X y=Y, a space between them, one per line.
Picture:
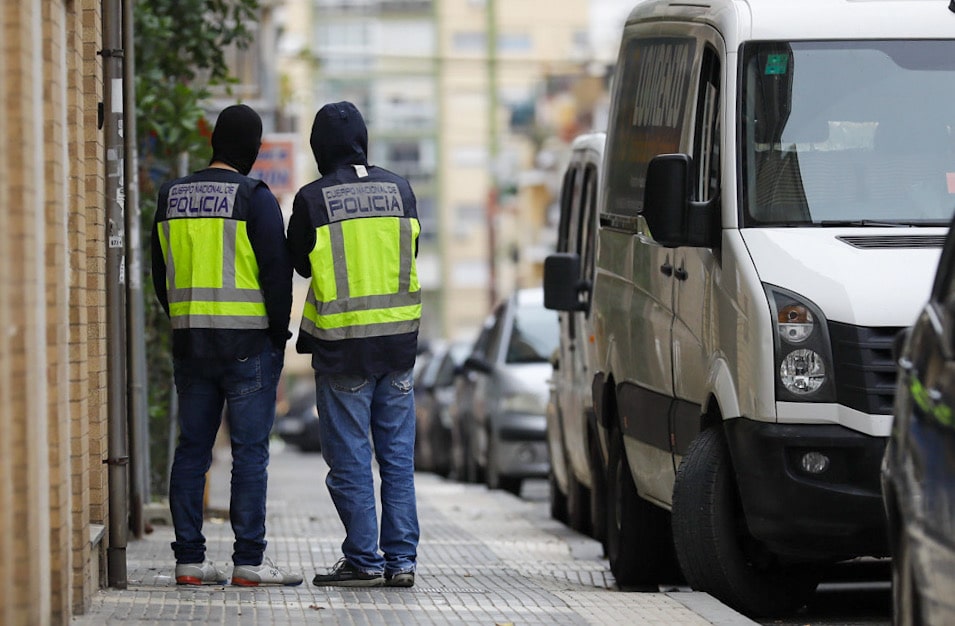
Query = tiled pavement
x=485 y=557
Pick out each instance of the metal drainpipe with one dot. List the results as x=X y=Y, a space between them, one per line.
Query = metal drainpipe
x=135 y=315
x=117 y=455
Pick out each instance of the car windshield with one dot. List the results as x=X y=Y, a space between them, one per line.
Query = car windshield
x=848 y=133
x=534 y=336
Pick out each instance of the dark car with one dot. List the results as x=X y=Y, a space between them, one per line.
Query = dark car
x=434 y=394
x=297 y=424
x=918 y=470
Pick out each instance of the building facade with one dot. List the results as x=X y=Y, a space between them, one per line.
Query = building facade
x=458 y=96
x=53 y=361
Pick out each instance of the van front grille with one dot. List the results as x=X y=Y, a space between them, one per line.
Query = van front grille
x=865 y=370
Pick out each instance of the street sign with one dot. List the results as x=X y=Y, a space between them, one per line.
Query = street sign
x=276 y=163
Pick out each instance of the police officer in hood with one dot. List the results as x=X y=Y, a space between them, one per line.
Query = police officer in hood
x=222 y=273
x=354 y=232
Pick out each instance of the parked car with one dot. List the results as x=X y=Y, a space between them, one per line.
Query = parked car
x=504 y=387
x=576 y=457
x=434 y=394
x=918 y=470
x=775 y=190
x=297 y=425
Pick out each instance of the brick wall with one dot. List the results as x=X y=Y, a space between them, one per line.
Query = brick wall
x=52 y=303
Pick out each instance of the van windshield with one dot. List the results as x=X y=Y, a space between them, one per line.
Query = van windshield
x=848 y=133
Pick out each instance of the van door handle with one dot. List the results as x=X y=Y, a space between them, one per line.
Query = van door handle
x=667 y=269
x=680 y=273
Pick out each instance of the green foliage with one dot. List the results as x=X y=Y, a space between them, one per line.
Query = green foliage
x=180 y=53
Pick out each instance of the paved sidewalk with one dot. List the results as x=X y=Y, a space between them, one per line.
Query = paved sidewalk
x=485 y=557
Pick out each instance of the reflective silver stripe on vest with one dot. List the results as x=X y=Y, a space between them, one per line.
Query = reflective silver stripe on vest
x=227 y=322
x=229 y=233
x=359 y=332
x=213 y=294
x=337 y=241
x=170 y=264
x=406 y=254
x=364 y=303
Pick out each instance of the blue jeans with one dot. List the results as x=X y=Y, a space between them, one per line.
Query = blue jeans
x=247 y=387
x=350 y=408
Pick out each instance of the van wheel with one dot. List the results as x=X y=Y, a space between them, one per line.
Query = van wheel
x=639 y=546
x=578 y=503
x=598 y=491
x=713 y=545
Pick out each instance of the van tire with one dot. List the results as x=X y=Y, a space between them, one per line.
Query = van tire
x=578 y=503
x=639 y=546
x=709 y=535
x=558 y=501
x=598 y=491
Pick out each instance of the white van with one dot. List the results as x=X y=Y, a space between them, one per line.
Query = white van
x=778 y=181
x=576 y=464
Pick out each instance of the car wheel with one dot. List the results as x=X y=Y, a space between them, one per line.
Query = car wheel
x=311 y=440
x=473 y=473
x=715 y=551
x=578 y=503
x=906 y=605
x=598 y=492
x=494 y=478
x=638 y=533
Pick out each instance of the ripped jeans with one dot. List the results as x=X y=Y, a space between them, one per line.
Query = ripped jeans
x=358 y=416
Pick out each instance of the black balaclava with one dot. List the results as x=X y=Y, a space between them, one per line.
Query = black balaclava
x=237 y=137
x=339 y=137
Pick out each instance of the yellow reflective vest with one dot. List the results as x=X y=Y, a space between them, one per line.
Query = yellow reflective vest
x=364 y=277
x=212 y=276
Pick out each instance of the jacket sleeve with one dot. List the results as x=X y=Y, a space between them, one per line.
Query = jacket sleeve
x=301 y=237
x=266 y=230
x=158 y=265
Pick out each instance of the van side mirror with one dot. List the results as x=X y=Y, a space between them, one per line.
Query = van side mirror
x=562 y=284
x=675 y=220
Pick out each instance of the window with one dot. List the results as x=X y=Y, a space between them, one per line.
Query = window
x=847 y=132
x=650 y=97
x=707 y=144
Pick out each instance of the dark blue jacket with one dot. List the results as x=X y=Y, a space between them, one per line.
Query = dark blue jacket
x=340 y=143
x=266 y=231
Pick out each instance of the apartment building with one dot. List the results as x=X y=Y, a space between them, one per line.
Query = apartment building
x=53 y=347
x=459 y=96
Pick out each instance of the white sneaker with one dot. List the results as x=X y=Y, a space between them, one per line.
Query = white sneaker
x=265 y=574
x=199 y=574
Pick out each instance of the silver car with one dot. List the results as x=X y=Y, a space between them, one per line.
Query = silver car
x=508 y=372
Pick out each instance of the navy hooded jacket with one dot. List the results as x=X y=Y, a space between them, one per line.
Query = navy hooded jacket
x=339 y=143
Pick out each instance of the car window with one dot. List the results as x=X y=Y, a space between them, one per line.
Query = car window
x=534 y=336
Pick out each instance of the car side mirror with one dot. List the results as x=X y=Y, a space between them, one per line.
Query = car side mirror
x=477 y=364
x=562 y=284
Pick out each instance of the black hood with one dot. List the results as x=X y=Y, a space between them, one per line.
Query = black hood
x=339 y=137
x=237 y=137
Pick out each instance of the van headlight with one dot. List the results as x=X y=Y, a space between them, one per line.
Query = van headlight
x=803 y=356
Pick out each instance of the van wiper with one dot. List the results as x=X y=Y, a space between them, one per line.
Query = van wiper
x=864 y=223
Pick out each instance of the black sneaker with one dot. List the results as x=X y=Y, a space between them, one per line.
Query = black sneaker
x=401 y=579
x=344 y=574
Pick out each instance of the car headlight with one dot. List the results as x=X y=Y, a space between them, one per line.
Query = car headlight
x=803 y=356
x=523 y=402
